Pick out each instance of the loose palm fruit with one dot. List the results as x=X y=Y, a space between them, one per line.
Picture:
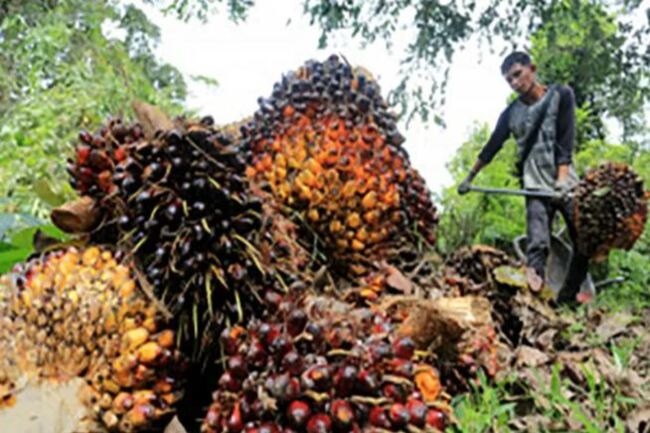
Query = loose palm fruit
x=349 y=379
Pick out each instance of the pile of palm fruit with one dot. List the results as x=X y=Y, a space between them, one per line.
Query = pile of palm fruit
x=316 y=368
x=249 y=246
x=610 y=209
x=80 y=314
x=326 y=147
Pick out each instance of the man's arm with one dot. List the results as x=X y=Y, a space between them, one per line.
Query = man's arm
x=492 y=147
x=566 y=124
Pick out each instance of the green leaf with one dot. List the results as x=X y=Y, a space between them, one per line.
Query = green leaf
x=44 y=191
x=601 y=192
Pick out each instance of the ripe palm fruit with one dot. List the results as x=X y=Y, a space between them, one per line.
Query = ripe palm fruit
x=96 y=155
x=610 y=209
x=325 y=145
x=78 y=314
x=352 y=373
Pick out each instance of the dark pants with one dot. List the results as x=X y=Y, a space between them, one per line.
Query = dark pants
x=539 y=218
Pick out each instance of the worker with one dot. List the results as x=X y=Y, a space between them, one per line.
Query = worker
x=542 y=121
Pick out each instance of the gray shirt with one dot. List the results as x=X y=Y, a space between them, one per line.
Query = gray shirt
x=554 y=142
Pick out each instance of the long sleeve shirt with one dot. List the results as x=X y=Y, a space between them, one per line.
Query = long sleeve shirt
x=554 y=141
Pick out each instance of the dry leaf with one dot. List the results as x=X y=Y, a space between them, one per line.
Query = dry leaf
x=526 y=356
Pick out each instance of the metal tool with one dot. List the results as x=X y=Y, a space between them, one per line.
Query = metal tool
x=523 y=192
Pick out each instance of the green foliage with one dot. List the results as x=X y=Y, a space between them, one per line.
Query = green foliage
x=61 y=73
x=476 y=217
x=16 y=238
x=202 y=9
x=585 y=46
x=438 y=29
x=484 y=409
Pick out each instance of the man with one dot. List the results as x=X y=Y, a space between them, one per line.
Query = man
x=542 y=120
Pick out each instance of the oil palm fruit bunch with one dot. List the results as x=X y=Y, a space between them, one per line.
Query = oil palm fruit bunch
x=610 y=209
x=96 y=155
x=183 y=208
x=316 y=370
x=79 y=314
x=327 y=148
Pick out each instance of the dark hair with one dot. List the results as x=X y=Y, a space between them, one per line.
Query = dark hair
x=514 y=58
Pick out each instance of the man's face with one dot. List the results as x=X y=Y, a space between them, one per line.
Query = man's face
x=521 y=77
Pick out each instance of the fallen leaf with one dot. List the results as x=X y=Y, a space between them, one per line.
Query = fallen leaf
x=638 y=421
x=397 y=280
x=526 y=356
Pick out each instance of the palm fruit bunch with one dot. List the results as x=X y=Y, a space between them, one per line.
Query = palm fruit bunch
x=181 y=206
x=610 y=209
x=80 y=314
x=96 y=155
x=327 y=148
x=320 y=368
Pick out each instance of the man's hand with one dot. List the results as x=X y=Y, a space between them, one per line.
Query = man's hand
x=463 y=188
x=563 y=186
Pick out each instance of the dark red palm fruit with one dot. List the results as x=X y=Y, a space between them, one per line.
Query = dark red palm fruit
x=245 y=408
x=342 y=415
x=269 y=427
x=367 y=383
x=105 y=181
x=394 y=392
x=277 y=385
x=235 y=422
x=404 y=347
x=318 y=377
x=83 y=152
x=228 y=382
x=213 y=417
x=335 y=338
x=250 y=428
x=237 y=366
x=256 y=355
x=268 y=333
x=99 y=160
x=292 y=363
x=316 y=333
x=319 y=423
x=344 y=380
x=378 y=418
x=258 y=410
x=362 y=412
x=298 y=413
x=401 y=367
x=436 y=419
x=280 y=346
x=296 y=322
x=418 y=412
x=85 y=137
x=398 y=415
x=271 y=297
x=120 y=154
x=293 y=389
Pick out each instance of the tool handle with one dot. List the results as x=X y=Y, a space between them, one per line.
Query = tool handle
x=523 y=192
